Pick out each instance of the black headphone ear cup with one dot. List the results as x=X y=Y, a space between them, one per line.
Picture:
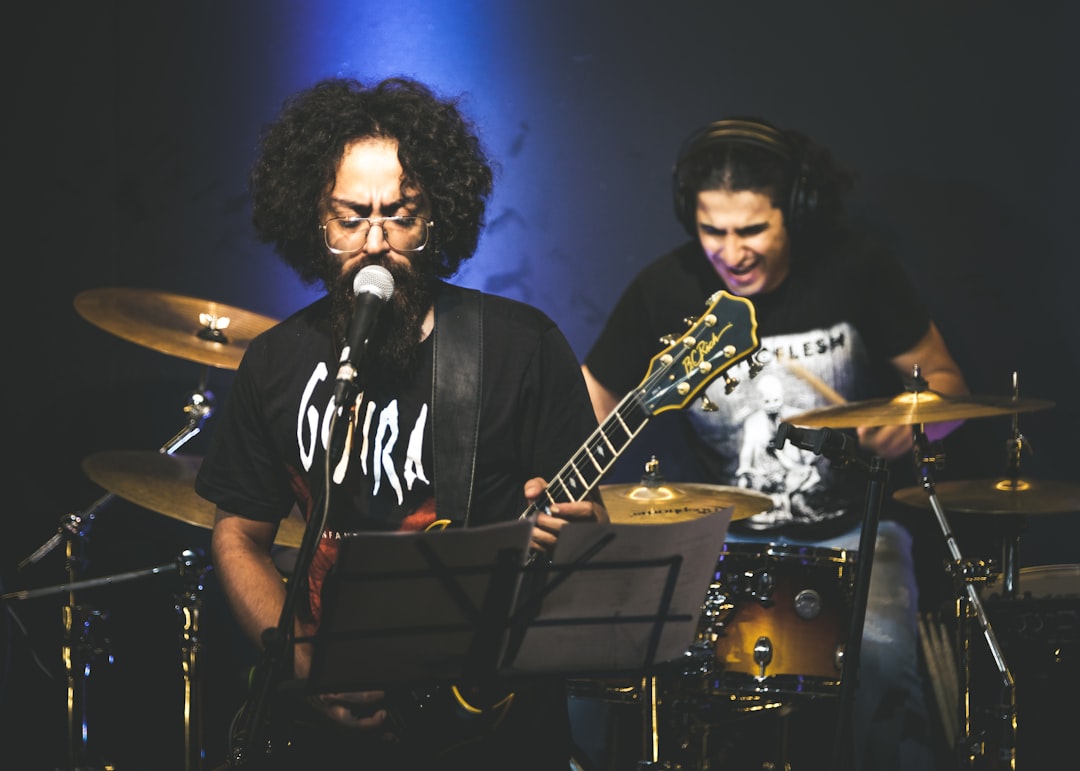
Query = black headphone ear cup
x=803 y=200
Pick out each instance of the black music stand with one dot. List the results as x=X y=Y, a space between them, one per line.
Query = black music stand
x=464 y=605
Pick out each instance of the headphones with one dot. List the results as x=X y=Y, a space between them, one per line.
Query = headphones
x=803 y=199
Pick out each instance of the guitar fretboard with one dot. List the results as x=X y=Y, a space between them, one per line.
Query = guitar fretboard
x=596 y=457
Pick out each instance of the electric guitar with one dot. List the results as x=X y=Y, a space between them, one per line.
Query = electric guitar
x=443 y=719
x=448 y=717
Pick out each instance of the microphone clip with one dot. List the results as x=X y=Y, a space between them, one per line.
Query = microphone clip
x=834 y=445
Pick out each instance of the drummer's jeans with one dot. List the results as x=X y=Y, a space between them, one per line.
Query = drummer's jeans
x=889 y=719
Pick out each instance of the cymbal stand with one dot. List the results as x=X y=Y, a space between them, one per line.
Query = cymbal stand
x=968 y=607
x=1010 y=552
x=79 y=649
x=198 y=408
x=188 y=605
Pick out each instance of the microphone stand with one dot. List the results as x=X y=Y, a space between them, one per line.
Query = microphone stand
x=255 y=740
x=969 y=607
x=839 y=448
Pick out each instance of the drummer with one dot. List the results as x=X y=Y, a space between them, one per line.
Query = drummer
x=838 y=320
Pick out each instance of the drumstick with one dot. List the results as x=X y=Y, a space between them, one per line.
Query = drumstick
x=819 y=385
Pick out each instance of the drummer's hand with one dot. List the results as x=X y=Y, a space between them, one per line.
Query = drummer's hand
x=890 y=442
x=558 y=515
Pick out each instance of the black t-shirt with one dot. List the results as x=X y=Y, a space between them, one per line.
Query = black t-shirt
x=840 y=319
x=268 y=449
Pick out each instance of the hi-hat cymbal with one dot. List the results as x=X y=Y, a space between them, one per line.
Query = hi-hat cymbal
x=916 y=407
x=206 y=332
x=640 y=504
x=166 y=484
x=998 y=496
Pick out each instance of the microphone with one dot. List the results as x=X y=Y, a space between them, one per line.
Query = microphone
x=834 y=445
x=373 y=286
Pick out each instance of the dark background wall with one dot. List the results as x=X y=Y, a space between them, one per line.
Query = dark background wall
x=130 y=127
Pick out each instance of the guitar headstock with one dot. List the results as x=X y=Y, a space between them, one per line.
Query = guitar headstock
x=723 y=335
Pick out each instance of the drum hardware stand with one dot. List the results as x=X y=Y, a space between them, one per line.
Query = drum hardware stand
x=198 y=408
x=969 y=607
x=78 y=648
x=1010 y=549
x=189 y=604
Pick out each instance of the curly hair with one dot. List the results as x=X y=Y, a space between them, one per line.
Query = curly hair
x=299 y=152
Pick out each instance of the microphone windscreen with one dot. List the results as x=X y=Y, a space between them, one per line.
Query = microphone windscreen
x=376 y=280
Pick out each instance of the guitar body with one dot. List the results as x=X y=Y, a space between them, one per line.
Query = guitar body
x=439 y=721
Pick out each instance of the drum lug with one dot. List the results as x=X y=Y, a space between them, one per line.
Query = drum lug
x=763 y=653
x=764 y=586
x=807 y=604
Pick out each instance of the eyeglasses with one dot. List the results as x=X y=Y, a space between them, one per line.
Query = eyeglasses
x=345 y=235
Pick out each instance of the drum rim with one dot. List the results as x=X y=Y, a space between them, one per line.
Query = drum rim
x=789 y=550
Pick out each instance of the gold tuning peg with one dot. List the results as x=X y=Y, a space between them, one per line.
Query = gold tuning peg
x=730 y=383
x=668 y=340
x=707 y=404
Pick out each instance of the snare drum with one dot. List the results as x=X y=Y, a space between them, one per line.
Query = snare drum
x=777 y=618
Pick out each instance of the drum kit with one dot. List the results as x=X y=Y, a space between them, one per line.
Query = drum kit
x=776 y=627
x=211 y=334
x=775 y=621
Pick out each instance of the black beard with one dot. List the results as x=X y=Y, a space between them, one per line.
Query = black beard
x=394 y=343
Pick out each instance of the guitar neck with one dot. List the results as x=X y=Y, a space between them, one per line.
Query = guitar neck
x=725 y=334
x=596 y=457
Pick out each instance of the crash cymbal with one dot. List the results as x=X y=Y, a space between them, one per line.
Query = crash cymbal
x=916 y=407
x=166 y=484
x=198 y=330
x=998 y=496
x=658 y=504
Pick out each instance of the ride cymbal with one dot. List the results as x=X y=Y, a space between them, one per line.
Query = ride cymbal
x=166 y=484
x=202 y=331
x=915 y=407
x=640 y=504
x=998 y=496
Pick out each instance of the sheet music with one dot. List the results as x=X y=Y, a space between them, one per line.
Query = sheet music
x=403 y=606
x=602 y=618
x=410 y=607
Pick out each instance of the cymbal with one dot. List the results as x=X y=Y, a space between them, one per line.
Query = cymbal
x=166 y=484
x=206 y=332
x=640 y=504
x=998 y=496
x=915 y=407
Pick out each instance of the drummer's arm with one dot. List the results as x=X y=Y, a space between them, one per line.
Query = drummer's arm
x=603 y=400
x=942 y=374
